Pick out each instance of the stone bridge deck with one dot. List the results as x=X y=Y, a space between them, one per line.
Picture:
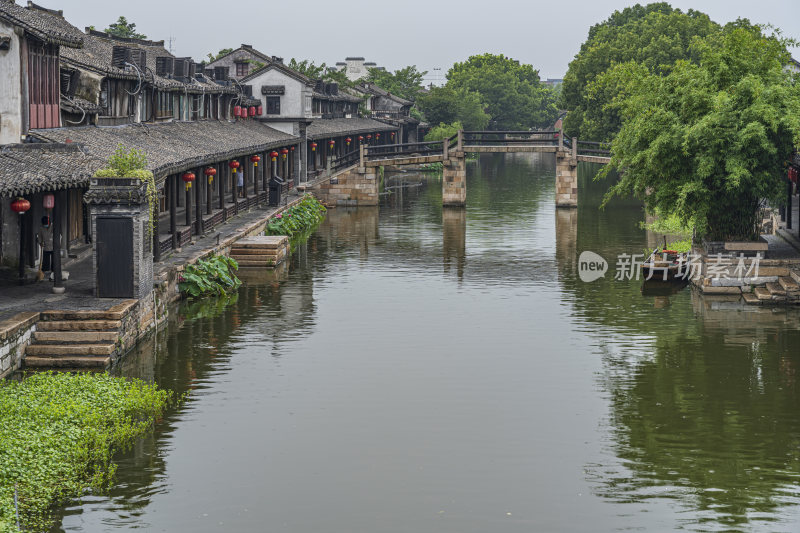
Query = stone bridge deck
x=451 y=153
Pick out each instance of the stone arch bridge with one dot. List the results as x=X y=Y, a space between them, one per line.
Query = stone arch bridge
x=354 y=176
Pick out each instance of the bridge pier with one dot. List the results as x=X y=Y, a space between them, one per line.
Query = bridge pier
x=355 y=187
x=454 y=180
x=567 y=175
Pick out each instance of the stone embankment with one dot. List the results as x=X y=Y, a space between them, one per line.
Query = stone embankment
x=69 y=339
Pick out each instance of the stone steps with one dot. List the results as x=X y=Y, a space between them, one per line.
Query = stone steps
x=70 y=340
x=75 y=337
x=762 y=293
x=74 y=363
x=264 y=251
x=59 y=350
x=750 y=298
x=775 y=289
x=78 y=325
x=788 y=284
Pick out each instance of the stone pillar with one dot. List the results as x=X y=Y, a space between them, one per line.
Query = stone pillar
x=566 y=179
x=454 y=181
x=567 y=242
x=122 y=257
x=172 y=183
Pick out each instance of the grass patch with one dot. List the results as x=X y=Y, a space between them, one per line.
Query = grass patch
x=58 y=433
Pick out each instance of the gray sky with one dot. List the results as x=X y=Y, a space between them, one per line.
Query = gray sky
x=427 y=33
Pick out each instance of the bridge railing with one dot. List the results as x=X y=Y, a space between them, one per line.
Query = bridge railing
x=601 y=149
x=347 y=160
x=510 y=137
x=387 y=151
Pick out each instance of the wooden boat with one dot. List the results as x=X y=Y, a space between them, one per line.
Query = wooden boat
x=664 y=265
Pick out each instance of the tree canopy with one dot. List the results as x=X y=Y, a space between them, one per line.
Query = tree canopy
x=708 y=140
x=405 y=82
x=448 y=105
x=308 y=68
x=653 y=36
x=511 y=91
x=123 y=28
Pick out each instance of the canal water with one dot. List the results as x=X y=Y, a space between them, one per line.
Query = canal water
x=421 y=369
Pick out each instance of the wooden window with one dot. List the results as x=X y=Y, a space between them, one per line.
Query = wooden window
x=44 y=83
x=273 y=105
x=242 y=69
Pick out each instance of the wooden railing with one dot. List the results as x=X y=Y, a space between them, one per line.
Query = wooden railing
x=347 y=160
x=464 y=140
x=385 y=151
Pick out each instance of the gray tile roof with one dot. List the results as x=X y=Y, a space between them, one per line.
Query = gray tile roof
x=45 y=24
x=175 y=146
x=321 y=128
x=35 y=167
x=77 y=104
x=97 y=52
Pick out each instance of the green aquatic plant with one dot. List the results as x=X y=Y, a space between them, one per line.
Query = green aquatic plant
x=58 y=434
x=215 y=275
x=300 y=218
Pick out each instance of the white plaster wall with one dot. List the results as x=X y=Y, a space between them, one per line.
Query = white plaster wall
x=293 y=101
x=10 y=88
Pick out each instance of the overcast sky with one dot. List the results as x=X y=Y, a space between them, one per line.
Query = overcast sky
x=427 y=33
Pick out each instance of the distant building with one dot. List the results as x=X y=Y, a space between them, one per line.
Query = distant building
x=552 y=82
x=356 y=68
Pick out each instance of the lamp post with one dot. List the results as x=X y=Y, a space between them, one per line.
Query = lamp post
x=20 y=206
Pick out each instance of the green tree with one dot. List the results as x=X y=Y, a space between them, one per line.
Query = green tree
x=308 y=68
x=654 y=36
x=123 y=28
x=443 y=131
x=708 y=141
x=223 y=52
x=405 y=82
x=448 y=105
x=514 y=97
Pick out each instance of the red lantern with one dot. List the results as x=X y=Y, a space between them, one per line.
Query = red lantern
x=49 y=201
x=20 y=206
x=234 y=165
x=361 y=138
x=274 y=155
x=210 y=172
x=331 y=143
x=392 y=135
x=255 y=159
x=348 y=141
x=188 y=178
x=260 y=110
x=377 y=135
x=313 y=147
x=284 y=152
x=369 y=137
x=292 y=148
x=252 y=111
x=237 y=111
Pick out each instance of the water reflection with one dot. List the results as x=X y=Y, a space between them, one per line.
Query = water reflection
x=421 y=369
x=708 y=420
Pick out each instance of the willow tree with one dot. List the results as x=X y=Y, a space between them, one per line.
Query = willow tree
x=709 y=141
